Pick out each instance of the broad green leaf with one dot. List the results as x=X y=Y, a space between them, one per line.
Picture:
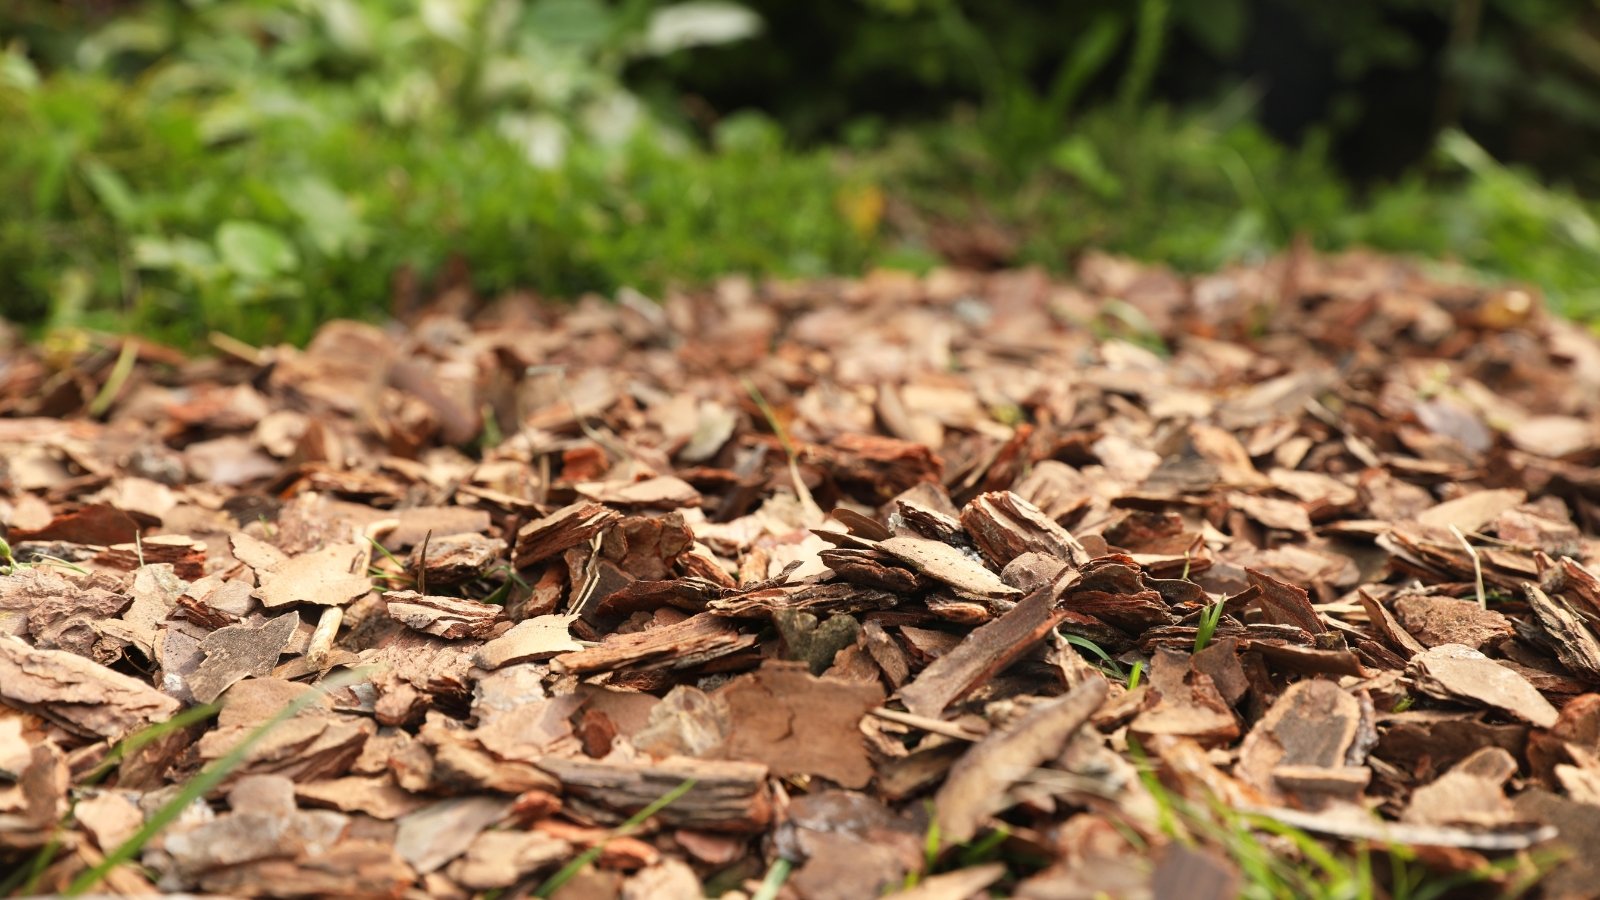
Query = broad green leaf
x=177 y=253
x=698 y=23
x=254 y=251
x=17 y=70
x=330 y=219
x=577 y=24
x=1077 y=156
x=112 y=192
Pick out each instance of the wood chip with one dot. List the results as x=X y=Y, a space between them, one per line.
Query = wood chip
x=945 y=563
x=727 y=796
x=446 y=617
x=238 y=652
x=531 y=639
x=332 y=576
x=561 y=530
x=1005 y=526
x=77 y=693
x=985 y=653
x=796 y=723
x=690 y=643
x=976 y=786
x=1462 y=674
x=1573 y=641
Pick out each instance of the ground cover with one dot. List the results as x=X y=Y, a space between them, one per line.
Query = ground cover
x=1275 y=580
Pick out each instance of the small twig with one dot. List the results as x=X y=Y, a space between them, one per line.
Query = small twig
x=422 y=564
x=321 y=643
x=936 y=726
x=1477 y=566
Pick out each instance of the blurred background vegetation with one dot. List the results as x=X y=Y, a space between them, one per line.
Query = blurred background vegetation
x=258 y=166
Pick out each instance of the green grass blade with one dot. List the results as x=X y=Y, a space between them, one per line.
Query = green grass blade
x=146 y=736
x=202 y=784
x=777 y=874
x=582 y=860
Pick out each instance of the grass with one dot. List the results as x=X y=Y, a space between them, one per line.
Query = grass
x=583 y=860
x=1207 y=626
x=10 y=565
x=206 y=780
x=25 y=881
x=133 y=208
x=772 y=883
x=1301 y=866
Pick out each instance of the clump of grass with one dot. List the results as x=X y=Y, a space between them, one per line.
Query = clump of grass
x=1314 y=869
x=1208 y=624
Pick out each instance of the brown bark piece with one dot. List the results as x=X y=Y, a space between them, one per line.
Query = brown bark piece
x=797 y=723
x=1572 y=639
x=727 y=796
x=1446 y=620
x=99 y=524
x=945 y=563
x=1389 y=628
x=186 y=556
x=55 y=611
x=1187 y=703
x=976 y=786
x=1312 y=724
x=81 y=695
x=447 y=617
x=332 y=576
x=889 y=465
x=1462 y=674
x=1286 y=604
x=531 y=639
x=985 y=653
x=560 y=531
x=455 y=558
x=690 y=643
x=1285 y=515
x=256 y=553
x=431 y=837
x=1471 y=794
x=1004 y=526
x=497 y=859
x=375 y=795
x=238 y=652
x=431 y=523
x=1470 y=512
x=661 y=492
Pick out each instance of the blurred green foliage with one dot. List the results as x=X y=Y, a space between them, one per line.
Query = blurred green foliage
x=259 y=166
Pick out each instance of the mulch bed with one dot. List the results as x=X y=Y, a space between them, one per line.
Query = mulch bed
x=856 y=574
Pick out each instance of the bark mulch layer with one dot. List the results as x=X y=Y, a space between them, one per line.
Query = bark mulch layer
x=948 y=585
